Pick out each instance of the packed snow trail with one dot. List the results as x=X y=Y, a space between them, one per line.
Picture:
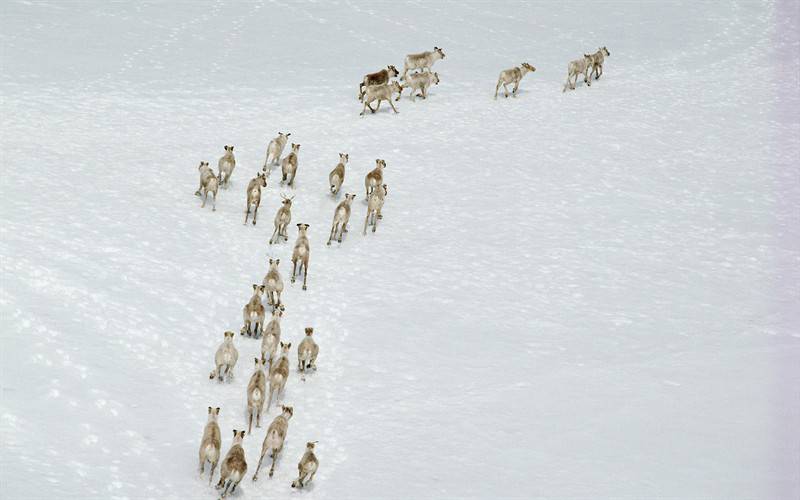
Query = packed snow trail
x=589 y=294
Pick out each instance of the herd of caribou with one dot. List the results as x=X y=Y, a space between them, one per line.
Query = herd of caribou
x=271 y=370
x=379 y=86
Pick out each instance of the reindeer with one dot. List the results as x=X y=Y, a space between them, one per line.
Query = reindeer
x=307 y=467
x=278 y=374
x=423 y=60
x=205 y=174
x=234 y=467
x=253 y=312
x=336 y=177
x=377 y=78
x=254 y=195
x=272 y=335
x=274 y=150
x=273 y=283
x=209 y=183
x=282 y=220
x=301 y=253
x=341 y=216
x=513 y=75
x=420 y=81
x=380 y=93
x=226 y=165
x=210 y=444
x=374 y=206
x=256 y=390
x=577 y=67
x=289 y=165
x=598 y=58
x=375 y=177
x=307 y=352
x=273 y=441
x=225 y=359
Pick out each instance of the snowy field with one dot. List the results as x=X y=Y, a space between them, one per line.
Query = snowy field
x=590 y=294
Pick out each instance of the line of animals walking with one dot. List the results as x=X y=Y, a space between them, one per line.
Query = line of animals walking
x=379 y=86
x=271 y=366
x=271 y=370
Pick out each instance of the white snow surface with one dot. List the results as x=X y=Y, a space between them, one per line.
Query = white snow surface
x=590 y=294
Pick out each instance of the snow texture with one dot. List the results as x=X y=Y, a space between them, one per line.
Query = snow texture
x=590 y=294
